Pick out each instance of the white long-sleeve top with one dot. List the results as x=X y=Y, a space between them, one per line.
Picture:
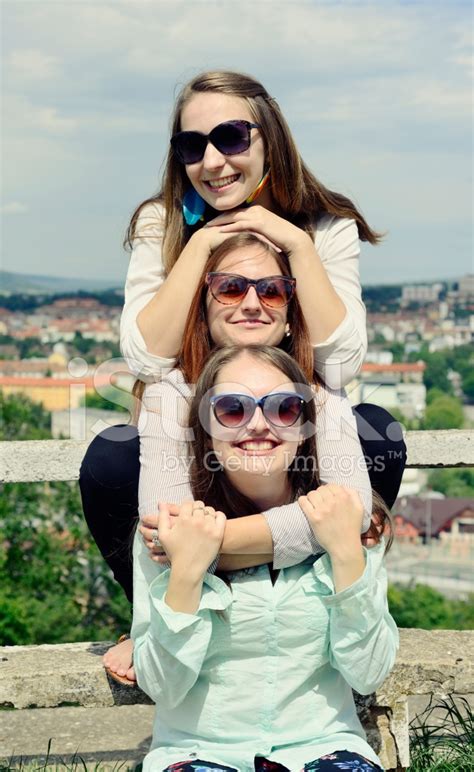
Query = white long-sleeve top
x=337 y=360
x=165 y=460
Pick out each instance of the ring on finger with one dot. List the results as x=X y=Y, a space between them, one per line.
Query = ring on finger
x=155 y=539
x=207 y=511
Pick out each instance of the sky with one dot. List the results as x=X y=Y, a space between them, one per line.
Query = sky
x=378 y=96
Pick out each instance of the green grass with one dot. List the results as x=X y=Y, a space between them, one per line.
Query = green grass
x=75 y=764
x=447 y=743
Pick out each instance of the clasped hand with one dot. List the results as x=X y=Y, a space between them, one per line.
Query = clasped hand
x=335 y=514
x=269 y=226
x=190 y=534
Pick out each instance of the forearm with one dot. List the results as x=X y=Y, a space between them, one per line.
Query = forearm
x=348 y=565
x=248 y=536
x=322 y=307
x=184 y=589
x=237 y=562
x=340 y=456
x=363 y=635
x=172 y=301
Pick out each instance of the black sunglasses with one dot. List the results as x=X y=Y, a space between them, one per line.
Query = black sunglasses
x=230 y=288
x=236 y=410
x=230 y=138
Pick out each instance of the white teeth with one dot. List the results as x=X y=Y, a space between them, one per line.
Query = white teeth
x=254 y=445
x=222 y=182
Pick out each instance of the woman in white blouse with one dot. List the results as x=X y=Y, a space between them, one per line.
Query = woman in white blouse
x=232 y=166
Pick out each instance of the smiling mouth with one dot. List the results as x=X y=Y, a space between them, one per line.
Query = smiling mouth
x=257 y=446
x=250 y=322
x=221 y=183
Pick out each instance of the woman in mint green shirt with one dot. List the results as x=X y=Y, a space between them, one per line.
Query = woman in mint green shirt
x=255 y=670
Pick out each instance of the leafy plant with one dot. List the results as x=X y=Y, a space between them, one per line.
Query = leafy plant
x=445 y=742
x=54 y=585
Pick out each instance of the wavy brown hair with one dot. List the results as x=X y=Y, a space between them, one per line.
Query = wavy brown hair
x=208 y=480
x=299 y=197
x=197 y=343
x=211 y=484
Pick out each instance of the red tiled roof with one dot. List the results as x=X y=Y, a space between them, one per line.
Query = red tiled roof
x=396 y=367
x=441 y=511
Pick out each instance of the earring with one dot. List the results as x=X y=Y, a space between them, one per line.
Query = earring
x=287 y=330
x=193 y=206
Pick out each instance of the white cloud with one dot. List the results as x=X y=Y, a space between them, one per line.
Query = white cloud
x=14 y=207
x=23 y=116
x=377 y=94
x=49 y=118
x=32 y=64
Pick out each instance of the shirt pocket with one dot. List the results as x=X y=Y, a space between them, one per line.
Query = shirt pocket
x=308 y=607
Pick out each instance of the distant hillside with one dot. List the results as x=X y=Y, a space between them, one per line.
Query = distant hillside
x=11 y=283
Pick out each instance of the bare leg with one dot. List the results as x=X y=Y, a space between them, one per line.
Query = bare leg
x=118 y=661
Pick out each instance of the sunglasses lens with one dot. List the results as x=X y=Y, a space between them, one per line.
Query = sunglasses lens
x=230 y=410
x=228 y=289
x=275 y=293
x=189 y=146
x=283 y=410
x=231 y=138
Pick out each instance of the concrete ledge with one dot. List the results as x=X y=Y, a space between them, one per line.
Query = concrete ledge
x=34 y=461
x=67 y=675
x=38 y=460
x=442 y=448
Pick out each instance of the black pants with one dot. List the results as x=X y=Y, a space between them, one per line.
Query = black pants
x=109 y=482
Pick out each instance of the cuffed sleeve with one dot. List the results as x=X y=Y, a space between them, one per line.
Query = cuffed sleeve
x=292 y=535
x=338 y=359
x=363 y=636
x=168 y=657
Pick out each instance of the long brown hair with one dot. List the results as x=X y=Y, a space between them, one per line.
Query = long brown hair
x=197 y=343
x=298 y=195
x=208 y=480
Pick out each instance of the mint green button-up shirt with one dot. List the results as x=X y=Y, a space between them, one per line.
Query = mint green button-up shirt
x=263 y=669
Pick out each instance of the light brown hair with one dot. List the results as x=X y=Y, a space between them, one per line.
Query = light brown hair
x=208 y=480
x=211 y=485
x=299 y=197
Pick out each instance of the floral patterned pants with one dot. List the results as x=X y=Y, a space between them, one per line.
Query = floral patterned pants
x=335 y=762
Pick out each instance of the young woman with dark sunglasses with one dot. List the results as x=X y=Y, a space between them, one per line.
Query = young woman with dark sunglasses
x=235 y=662
x=232 y=166
x=246 y=296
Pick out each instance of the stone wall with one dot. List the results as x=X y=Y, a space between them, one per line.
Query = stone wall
x=37 y=460
x=38 y=678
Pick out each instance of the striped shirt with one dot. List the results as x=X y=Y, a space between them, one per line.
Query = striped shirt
x=165 y=460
